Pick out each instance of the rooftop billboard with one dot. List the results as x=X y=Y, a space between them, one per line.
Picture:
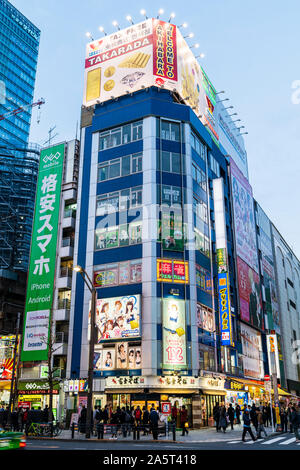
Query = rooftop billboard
x=154 y=53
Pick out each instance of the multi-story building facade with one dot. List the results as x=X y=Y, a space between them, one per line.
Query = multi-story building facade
x=287 y=268
x=19 y=43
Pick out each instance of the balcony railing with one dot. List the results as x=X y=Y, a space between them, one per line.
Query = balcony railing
x=67 y=242
x=61 y=337
x=64 y=304
x=65 y=272
x=70 y=213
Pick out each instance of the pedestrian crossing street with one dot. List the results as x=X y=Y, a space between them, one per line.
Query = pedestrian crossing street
x=281 y=441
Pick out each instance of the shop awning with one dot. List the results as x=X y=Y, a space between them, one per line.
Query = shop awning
x=282 y=392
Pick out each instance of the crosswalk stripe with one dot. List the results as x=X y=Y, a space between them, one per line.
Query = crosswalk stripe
x=272 y=441
x=285 y=443
x=234 y=442
x=253 y=442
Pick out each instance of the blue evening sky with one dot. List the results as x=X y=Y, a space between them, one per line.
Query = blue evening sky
x=252 y=52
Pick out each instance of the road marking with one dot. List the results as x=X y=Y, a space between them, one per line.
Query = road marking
x=253 y=442
x=272 y=441
x=289 y=441
x=234 y=442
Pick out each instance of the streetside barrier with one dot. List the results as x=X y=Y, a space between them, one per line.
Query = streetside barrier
x=109 y=430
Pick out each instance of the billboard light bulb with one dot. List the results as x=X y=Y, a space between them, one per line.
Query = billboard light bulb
x=143 y=12
x=129 y=18
x=172 y=15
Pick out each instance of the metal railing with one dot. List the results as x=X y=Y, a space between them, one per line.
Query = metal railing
x=63 y=304
x=70 y=213
x=67 y=242
x=65 y=272
x=61 y=337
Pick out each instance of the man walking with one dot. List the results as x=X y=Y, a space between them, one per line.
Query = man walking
x=154 y=422
x=260 y=425
x=247 y=425
x=216 y=415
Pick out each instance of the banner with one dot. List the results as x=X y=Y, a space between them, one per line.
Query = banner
x=174 y=334
x=41 y=273
x=252 y=352
x=224 y=309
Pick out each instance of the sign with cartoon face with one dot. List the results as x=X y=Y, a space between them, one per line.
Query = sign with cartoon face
x=174 y=334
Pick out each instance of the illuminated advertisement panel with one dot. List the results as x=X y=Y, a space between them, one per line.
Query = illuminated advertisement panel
x=120 y=356
x=252 y=351
x=154 y=53
x=244 y=222
x=7 y=344
x=250 y=294
x=174 y=334
x=118 y=317
x=172 y=271
x=225 y=312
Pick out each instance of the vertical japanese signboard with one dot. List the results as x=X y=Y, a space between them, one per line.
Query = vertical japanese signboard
x=41 y=272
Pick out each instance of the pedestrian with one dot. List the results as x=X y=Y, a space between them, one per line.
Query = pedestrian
x=114 y=421
x=230 y=413
x=295 y=419
x=154 y=418
x=82 y=420
x=247 y=425
x=14 y=419
x=184 y=420
x=138 y=416
x=20 y=419
x=216 y=415
x=145 y=420
x=260 y=424
x=223 y=418
x=105 y=414
x=238 y=414
x=253 y=416
x=45 y=414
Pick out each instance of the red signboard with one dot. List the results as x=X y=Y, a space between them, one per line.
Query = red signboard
x=166 y=408
x=266 y=378
x=164 y=50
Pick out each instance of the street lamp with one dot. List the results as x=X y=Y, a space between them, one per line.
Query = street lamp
x=93 y=291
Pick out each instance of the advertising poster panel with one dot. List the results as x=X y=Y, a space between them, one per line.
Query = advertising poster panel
x=154 y=53
x=41 y=273
x=174 y=334
x=225 y=309
x=118 y=317
x=119 y=356
x=252 y=352
x=244 y=222
x=205 y=318
x=250 y=295
x=7 y=344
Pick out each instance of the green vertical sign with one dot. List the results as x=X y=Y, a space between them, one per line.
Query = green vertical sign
x=41 y=274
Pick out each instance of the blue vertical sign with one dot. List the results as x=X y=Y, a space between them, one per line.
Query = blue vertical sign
x=224 y=309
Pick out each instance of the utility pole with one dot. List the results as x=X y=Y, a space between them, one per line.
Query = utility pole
x=12 y=384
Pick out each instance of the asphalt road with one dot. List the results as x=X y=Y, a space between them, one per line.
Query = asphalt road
x=279 y=442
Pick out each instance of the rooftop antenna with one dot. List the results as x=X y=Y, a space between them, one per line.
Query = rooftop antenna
x=51 y=137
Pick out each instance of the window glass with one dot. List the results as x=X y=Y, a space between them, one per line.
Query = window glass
x=165 y=157
x=124 y=199
x=114 y=169
x=103 y=173
x=137 y=130
x=165 y=130
x=175 y=131
x=126 y=165
x=175 y=163
x=104 y=140
x=126 y=134
x=116 y=137
x=123 y=235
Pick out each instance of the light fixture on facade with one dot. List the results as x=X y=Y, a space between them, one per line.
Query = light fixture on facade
x=191 y=35
x=160 y=12
x=89 y=35
x=183 y=25
x=225 y=99
x=143 y=12
x=101 y=29
x=116 y=25
x=172 y=16
x=129 y=18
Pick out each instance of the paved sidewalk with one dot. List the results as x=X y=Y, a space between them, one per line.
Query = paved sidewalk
x=199 y=435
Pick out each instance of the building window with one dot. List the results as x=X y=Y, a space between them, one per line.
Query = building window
x=200 y=209
x=198 y=146
x=170 y=131
x=121 y=135
x=201 y=242
x=119 y=201
x=169 y=195
x=116 y=274
x=118 y=236
x=199 y=176
x=171 y=162
x=214 y=165
x=123 y=166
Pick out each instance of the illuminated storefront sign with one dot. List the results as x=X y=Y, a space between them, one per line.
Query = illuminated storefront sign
x=172 y=271
x=153 y=382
